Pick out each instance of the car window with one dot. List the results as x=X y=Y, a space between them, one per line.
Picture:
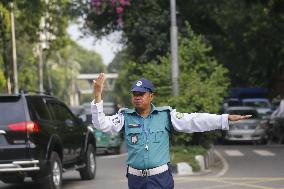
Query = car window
x=60 y=112
x=11 y=110
x=257 y=104
x=245 y=112
x=234 y=103
x=39 y=107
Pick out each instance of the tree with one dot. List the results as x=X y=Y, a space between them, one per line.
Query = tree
x=203 y=82
x=65 y=64
x=31 y=21
x=90 y=61
x=245 y=35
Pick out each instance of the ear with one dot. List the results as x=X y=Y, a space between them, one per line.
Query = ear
x=152 y=96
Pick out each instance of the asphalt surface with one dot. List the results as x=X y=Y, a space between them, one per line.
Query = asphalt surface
x=240 y=167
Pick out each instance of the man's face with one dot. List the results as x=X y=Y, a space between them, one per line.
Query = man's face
x=142 y=100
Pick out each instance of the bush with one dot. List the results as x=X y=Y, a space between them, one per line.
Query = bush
x=187 y=154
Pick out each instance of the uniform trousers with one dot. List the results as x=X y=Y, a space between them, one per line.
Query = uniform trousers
x=160 y=181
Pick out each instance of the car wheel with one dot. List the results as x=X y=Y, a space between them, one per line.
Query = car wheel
x=53 y=180
x=89 y=172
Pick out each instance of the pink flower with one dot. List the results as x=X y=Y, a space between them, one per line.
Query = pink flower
x=96 y=3
x=122 y=2
x=113 y=3
x=119 y=10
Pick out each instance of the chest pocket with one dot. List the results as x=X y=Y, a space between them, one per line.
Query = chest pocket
x=134 y=136
x=157 y=133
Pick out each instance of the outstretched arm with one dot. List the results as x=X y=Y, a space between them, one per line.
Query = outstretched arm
x=200 y=122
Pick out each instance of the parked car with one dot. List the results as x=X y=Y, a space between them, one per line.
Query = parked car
x=262 y=105
x=41 y=138
x=105 y=143
x=253 y=129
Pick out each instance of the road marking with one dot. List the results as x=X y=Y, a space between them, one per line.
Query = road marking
x=225 y=164
x=112 y=156
x=228 y=182
x=234 y=153
x=263 y=153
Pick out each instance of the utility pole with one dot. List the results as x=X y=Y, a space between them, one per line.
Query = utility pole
x=15 y=71
x=174 y=49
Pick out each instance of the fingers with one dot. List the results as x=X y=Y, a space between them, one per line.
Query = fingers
x=101 y=77
x=246 y=116
x=238 y=117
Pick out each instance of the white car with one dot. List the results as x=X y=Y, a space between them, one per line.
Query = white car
x=253 y=129
x=262 y=105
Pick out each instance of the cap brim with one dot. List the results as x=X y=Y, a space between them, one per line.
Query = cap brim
x=140 y=89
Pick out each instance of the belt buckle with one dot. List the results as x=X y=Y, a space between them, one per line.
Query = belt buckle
x=145 y=173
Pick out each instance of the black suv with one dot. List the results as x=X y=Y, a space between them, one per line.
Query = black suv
x=41 y=138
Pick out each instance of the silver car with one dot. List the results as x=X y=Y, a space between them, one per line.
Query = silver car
x=253 y=129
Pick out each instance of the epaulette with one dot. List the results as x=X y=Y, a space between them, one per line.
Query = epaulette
x=126 y=110
x=164 y=108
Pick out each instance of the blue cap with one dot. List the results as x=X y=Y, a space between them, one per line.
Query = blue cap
x=142 y=85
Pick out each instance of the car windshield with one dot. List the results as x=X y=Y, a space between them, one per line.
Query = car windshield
x=244 y=112
x=259 y=104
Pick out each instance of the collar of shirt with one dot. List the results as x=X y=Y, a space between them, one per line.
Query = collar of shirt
x=153 y=109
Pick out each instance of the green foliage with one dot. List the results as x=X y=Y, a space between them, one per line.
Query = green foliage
x=5 y=19
x=187 y=154
x=64 y=65
x=145 y=26
x=27 y=66
x=29 y=25
x=118 y=61
x=2 y=77
x=90 y=61
x=245 y=35
x=203 y=83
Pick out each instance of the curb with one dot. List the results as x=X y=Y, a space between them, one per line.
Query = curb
x=204 y=162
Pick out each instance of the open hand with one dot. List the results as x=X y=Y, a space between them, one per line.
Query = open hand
x=238 y=117
x=98 y=86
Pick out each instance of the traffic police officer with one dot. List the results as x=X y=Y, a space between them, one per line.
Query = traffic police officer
x=147 y=130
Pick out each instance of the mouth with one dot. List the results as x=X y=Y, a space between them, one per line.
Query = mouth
x=137 y=102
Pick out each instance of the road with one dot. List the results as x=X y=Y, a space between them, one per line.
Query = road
x=246 y=167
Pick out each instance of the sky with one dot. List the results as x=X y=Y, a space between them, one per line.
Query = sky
x=107 y=47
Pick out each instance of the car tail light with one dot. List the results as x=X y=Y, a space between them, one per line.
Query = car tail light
x=27 y=126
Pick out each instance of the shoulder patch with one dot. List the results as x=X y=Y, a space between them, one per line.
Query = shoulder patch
x=179 y=115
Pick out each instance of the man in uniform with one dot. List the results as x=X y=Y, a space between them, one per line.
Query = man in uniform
x=147 y=130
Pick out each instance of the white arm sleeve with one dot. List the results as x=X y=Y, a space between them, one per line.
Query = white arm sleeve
x=108 y=124
x=198 y=122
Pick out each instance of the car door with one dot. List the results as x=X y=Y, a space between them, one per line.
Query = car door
x=70 y=131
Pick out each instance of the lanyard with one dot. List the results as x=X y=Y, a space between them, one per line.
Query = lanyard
x=146 y=131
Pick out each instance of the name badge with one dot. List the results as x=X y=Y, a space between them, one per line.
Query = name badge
x=133 y=125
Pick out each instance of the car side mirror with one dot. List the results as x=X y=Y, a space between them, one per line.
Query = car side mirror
x=69 y=123
x=83 y=118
